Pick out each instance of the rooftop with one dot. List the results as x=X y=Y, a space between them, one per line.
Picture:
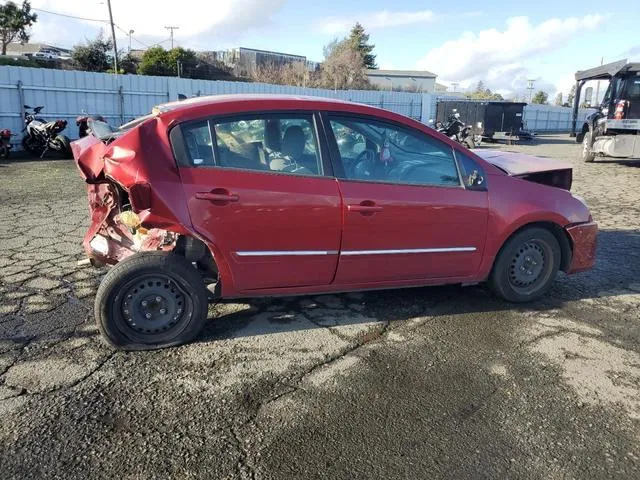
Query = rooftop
x=400 y=73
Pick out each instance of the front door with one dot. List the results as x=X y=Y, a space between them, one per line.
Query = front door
x=256 y=188
x=407 y=214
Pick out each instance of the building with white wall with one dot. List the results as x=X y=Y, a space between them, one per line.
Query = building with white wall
x=403 y=80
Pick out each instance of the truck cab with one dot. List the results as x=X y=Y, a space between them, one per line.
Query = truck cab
x=613 y=130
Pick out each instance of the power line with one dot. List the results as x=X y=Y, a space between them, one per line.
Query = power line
x=127 y=33
x=69 y=16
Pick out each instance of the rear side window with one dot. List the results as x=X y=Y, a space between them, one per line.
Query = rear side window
x=270 y=143
x=197 y=138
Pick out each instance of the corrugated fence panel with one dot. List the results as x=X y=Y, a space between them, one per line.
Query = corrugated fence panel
x=67 y=94
x=551 y=118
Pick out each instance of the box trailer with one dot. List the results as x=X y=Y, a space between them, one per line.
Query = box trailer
x=490 y=120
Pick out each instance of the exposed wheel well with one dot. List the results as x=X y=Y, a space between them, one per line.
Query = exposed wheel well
x=197 y=252
x=566 y=249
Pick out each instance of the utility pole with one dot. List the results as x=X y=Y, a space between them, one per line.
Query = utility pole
x=113 y=36
x=131 y=32
x=171 y=29
x=530 y=88
x=598 y=84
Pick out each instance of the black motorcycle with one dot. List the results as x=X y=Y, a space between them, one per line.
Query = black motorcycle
x=42 y=136
x=456 y=130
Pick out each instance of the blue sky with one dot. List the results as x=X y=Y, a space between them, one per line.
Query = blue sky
x=503 y=43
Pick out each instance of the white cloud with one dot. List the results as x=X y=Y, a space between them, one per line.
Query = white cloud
x=495 y=56
x=374 y=20
x=199 y=20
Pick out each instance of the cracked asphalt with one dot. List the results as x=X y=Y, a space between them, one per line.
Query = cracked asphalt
x=419 y=383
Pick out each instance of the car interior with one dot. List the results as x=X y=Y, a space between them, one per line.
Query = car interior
x=280 y=145
x=368 y=151
x=378 y=153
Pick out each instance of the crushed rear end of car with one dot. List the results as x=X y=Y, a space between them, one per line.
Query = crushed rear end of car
x=134 y=192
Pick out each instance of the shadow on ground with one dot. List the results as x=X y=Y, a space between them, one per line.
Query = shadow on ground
x=612 y=276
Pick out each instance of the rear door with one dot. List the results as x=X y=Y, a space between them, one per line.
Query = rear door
x=407 y=212
x=257 y=189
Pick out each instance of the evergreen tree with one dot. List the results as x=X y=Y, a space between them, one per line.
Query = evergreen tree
x=359 y=39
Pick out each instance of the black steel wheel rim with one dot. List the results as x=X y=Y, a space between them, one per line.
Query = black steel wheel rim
x=530 y=266
x=154 y=305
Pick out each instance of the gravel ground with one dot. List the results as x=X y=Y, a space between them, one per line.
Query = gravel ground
x=419 y=383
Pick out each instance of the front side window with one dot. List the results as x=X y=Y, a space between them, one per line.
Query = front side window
x=270 y=143
x=381 y=152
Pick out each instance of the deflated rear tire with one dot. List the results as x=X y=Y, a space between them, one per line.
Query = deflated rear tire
x=527 y=265
x=151 y=300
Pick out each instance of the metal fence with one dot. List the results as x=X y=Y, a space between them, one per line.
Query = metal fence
x=120 y=98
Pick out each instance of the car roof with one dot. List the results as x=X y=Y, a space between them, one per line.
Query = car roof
x=305 y=100
x=200 y=107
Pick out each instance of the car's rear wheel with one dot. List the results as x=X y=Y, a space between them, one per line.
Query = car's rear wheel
x=527 y=265
x=151 y=300
x=587 y=152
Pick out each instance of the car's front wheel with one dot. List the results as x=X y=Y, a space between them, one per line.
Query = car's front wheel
x=527 y=265
x=151 y=300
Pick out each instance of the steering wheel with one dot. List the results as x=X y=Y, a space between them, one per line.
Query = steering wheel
x=360 y=168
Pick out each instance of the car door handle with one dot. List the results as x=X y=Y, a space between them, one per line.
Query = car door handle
x=365 y=207
x=218 y=195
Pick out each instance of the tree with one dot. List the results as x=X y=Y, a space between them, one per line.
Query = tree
x=94 y=55
x=343 y=67
x=558 y=100
x=483 y=93
x=540 y=97
x=571 y=96
x=359 y=40
x=128 y=63
x=181 y=62
x=14 y=23
x=295 y=73
x=156 y=61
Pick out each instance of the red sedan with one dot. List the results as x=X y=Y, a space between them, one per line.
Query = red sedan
x=244 y=196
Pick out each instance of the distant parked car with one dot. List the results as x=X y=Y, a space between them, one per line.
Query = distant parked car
x=275 y=195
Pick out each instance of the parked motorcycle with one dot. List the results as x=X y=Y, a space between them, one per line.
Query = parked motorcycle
x=456 y=130
x=42 y=136
x=5 y=143
x=84 y=124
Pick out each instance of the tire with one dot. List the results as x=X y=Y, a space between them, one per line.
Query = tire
x=526 y=266
x=30 y=146
x=469 y=143
x=587 y=154
x=171 y=311
x=65 y=145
